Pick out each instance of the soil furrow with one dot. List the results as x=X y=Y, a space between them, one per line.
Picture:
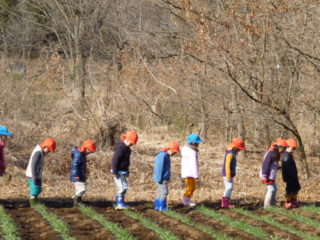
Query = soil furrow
x=31 y=225
x=131 y=225
x=81 y=226
x=181 y=230
x=287 y=221
x=217 y=225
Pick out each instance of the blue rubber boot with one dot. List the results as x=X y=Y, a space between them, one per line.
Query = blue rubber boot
x=120 y=202
x=156 y=204
x=162 y=205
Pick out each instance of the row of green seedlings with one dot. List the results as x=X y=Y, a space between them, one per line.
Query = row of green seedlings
x=8 y=228
x=271 y=221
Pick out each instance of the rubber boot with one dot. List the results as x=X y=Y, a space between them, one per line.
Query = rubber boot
x=156 y=204
x=288 y=202
x=77 y=201
x=187 y=202
x=120 y=202
x=225 y=202
x=294 y=200
x=162 y=205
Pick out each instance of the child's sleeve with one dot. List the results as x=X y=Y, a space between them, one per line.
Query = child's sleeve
x=76 y=160
x=158 y=169
x=115 y=159
x=265 y=164
x=228 y=165
x=35 y=161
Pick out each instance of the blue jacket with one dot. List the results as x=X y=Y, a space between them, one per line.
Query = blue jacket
x=78 y=165
x=161 y=167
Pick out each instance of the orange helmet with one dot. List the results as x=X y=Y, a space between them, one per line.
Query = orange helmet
x=174 y=146
x=131 y=136
x=50 y=143
x=292 y=143
x=281 y=142
x=236 y=143
x=90 y=145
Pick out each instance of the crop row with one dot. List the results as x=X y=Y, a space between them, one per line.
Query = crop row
x=9 y=230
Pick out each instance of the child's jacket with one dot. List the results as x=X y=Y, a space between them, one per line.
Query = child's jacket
x=229 y=165
x=161 y=170
x=269 y=167
x=78 y=166
x=289 y=168
x=189 y=162
x=121 y=158
x=2 y=160
x=35 y=165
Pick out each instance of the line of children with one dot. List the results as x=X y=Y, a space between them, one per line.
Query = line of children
x=190 y=167
x=281 y=149
x=4 y=133
x=78 y=170
x=229 y=169
x=162 y=173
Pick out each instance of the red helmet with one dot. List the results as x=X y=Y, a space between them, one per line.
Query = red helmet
x=90 y=145
x=131 y=136
x=292 y=143
x=50 y=143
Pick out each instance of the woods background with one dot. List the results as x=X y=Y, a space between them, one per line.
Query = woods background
x=77 y=69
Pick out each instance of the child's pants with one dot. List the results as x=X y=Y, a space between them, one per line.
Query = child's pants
x=121 y=183
x=270 y=198
x=163 y=190
x=80 y=188
x=228 y=187
x=35 y=187
x=190 y=186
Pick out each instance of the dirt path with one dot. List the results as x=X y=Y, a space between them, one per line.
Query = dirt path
x=271 y=230
x=183 y=231
x=81 y=226
x=217 y=225
x=290 y=222
x=31 y=225
x=131 y=225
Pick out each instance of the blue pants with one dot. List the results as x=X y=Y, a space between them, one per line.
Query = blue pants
x=35 y=187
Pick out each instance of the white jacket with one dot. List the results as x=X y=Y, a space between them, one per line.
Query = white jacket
x=189 y=162
x=39 y=167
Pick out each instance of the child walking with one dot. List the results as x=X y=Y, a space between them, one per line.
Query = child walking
x=120 y=166
x=161 y=174
x=269 y=170
x=4 y=133
x=229 y=169
x=35 y=167
x=78 y=170
x=189 y=167
x=290 y=174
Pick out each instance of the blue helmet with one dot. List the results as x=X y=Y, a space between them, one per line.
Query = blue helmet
x=4 y=131
x=194 y=138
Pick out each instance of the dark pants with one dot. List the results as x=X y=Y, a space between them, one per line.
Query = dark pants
x=293 y=186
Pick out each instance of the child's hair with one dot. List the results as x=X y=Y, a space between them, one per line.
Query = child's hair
x=275 y=152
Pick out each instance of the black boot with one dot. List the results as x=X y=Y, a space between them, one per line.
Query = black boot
x=77 y=201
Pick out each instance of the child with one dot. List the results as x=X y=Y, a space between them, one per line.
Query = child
x=78 y=171
x=269 y=170
x=120 y=166
x=4 y=133
x=290 y=174
x=161 y=174
x=229 y=169
x=35 y=167
x=189 y=167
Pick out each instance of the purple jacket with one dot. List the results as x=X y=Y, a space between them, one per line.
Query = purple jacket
x=269 y=167
x=2 y=161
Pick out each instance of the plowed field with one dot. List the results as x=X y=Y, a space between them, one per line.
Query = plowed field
x=228 y=224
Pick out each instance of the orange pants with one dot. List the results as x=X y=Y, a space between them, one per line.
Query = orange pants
x=191 y=186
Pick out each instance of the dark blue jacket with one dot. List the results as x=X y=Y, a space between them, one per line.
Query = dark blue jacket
x=161 y=167
x=78 y=166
